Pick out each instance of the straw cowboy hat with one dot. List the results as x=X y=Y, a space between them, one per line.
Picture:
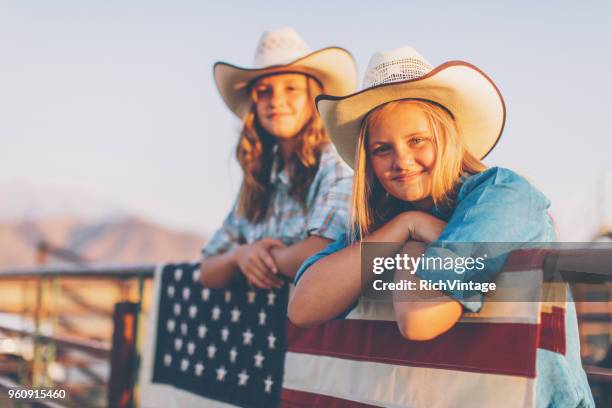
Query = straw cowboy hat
x=464 y=90
x=283 y=51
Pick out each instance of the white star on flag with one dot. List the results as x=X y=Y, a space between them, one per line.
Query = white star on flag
x=199 y=367
x=228 y=296
x=221 y=372
x=191 y=348
x=225 y=334
x=196 y=275
x=178 y=274
x=167 y=359
x=268 y=383
x=216 y=313
x=193 y=311
x=247 y=337
x=259 y=358
x=212 y=350
x=233 y=354
x=271 y=298
x=184 y=328
x=170 y=291
x=271 y=340
x=178 y=343
x=177 y=309
x=205 y=294
x=262 y=318
x=235 y=315
x=184 y=364
x=202 y=329
x=186 y=293
x=243 y=377
x=170 y=325
x=251 y=294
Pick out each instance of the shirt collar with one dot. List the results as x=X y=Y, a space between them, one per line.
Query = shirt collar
x=444 y=210
x=277 y=174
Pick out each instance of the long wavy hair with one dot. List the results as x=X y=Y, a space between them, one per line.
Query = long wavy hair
x=372 y=206
x=255 y=153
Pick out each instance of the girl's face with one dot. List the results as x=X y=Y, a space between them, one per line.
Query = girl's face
x=402 y=152
x=282 y=104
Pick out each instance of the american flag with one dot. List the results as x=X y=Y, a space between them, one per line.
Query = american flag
x=487 y=359
x=226 y=345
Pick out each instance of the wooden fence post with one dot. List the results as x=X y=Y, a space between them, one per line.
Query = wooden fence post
x=123 y=356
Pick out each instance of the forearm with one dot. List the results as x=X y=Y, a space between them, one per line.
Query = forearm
x=422 y=315
x=218 y=271
x=331 y=285
x=289 y=259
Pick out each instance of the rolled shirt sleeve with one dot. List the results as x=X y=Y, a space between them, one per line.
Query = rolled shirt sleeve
x=227 y=237
x=495 y=206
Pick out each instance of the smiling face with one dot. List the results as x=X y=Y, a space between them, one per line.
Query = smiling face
x=283 y=104
x=402 y=152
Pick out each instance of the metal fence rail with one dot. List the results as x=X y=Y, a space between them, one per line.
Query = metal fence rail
x=48 y=344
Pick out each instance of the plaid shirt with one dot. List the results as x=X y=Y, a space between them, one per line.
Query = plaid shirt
x=326 y=212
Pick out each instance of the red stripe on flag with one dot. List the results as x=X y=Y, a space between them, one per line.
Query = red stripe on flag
x=300 y=399
x=496 y=348
x=525 y=259
x=552 y=331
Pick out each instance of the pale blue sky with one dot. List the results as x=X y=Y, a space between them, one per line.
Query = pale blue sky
x=117 y=97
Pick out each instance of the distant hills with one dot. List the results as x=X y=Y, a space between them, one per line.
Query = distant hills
x=93 y=228
x=128 y=240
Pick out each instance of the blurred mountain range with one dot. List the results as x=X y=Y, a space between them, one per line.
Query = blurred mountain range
x=94 y=228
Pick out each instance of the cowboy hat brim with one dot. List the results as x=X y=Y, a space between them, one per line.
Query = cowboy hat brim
x=333 y=67
x=464 y=90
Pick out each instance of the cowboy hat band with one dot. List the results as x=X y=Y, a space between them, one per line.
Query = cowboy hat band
x=284 y=51
x=468 y=94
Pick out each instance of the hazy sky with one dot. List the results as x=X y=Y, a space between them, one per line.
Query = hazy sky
x=117 y=97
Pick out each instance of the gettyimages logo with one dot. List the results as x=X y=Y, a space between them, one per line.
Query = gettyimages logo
x=511 y=272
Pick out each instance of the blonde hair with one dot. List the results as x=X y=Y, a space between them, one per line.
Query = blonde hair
x=371 y=206
x=255 y=154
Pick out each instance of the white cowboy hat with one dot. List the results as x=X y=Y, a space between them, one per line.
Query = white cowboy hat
x=464 y=90
x=282 y=51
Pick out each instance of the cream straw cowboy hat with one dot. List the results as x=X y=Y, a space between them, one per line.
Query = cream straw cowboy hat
x=282 y=51
x=464 y=90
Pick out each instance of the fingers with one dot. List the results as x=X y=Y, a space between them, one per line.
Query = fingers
x=257 y=270
x=261 y=280
x=269 y=243
x=268 y=261
x=256 y=281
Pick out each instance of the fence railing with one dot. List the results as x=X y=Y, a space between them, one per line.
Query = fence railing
x=50 y=289
x=44 y=342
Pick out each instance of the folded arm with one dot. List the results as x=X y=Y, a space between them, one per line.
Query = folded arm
x=419 y=319
x=331 y=285
x=261 y=262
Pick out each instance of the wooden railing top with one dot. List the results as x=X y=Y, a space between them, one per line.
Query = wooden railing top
x=83 y=271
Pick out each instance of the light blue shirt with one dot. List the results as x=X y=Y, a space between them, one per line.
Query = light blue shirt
x=498 y=205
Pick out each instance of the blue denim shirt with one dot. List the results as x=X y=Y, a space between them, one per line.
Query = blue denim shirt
x=498 y=205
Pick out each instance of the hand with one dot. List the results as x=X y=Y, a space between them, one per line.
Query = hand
x=423 y=227
x=257 y=265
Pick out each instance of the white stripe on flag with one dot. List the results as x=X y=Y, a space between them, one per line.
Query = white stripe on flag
x=401 y=386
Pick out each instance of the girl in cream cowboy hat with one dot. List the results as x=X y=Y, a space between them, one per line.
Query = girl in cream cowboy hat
x=415 y=136
x=295 y=189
